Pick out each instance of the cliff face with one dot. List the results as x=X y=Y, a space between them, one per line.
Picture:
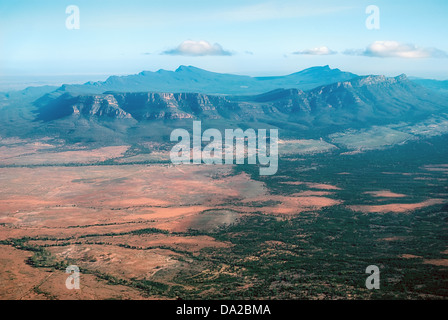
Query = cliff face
x=101 y=106
x=138 y=106
x=147 y=106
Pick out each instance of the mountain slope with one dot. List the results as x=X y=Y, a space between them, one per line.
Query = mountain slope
x=440 y=86
x=369 y=99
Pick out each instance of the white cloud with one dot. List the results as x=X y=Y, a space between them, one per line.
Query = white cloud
x=394 y=49
x=319 y=51
x=198 y=48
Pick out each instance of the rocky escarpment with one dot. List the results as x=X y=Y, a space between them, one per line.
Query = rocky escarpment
x=138 y=106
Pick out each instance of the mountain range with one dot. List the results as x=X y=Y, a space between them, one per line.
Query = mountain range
x=192 y=79
x=318 y=99
x=362 y=99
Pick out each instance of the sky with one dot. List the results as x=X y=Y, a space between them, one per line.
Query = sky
x=40 y=39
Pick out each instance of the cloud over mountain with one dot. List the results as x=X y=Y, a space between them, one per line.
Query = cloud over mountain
x=198 y=48
x=395 y=49
x=319 y=51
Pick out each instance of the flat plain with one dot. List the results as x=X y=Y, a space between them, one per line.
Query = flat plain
x=152 y=230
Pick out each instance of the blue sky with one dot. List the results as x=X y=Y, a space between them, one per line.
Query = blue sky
x=232 y=36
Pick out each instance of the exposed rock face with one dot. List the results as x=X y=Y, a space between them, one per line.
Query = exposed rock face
x=100 y=106
x=139 y=106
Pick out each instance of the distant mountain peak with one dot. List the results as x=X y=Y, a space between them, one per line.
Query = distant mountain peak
x=373 y=80
x=183 y=68
x=322 y=70
x=402 y=77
